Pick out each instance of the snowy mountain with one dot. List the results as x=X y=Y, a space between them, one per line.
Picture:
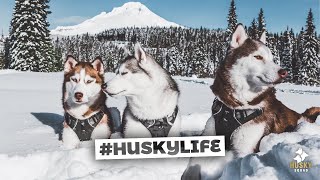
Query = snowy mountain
x=131 y=14
x=32 y=121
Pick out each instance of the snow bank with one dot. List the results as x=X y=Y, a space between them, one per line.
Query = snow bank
x=80 y=163
x=277 y=151
x=7 y=71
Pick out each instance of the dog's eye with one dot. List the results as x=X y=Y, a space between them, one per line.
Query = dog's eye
x=74 y=79
x=258 y=57
x=124 y=73
x=89 y=81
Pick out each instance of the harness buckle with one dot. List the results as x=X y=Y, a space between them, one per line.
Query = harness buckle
x=154 y=121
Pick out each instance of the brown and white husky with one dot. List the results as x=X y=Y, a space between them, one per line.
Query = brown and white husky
x=246 y=108
x=86 y=115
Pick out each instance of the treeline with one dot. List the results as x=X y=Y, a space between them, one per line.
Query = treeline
x=181 y=51
x=188 y=52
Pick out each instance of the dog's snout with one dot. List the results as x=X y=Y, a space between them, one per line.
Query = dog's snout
x=283 y=73
x=104 y=86
x=78 y=95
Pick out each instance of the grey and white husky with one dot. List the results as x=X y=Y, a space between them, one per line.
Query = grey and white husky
x=152 y=97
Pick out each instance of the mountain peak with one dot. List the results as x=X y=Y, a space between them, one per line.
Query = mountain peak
x=132 y=5
x=130 y=14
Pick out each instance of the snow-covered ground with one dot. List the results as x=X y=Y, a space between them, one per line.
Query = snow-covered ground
x=31 y=116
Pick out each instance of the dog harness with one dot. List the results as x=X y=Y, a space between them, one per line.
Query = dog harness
x=84 y=127
x=227 y=120
x=160 y=127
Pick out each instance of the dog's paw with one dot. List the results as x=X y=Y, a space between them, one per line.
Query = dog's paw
x=70 y=138
x=102 y=131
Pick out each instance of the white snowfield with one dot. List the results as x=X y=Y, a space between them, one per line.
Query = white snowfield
x=131 y=14
x=31 y=116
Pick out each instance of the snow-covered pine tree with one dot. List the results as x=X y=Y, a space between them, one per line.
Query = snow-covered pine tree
x=261 y=23
x=232 y=18
x=2 y=59
x=253 y=30
x=310 y=72
x=287 y=52
x=295 y=58
x=273 y=45
x=58 y=54
x=6 y=53
x=30 y=44
x=299 y=56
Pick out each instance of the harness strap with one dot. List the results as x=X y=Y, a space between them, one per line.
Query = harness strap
x=227 y=120
x=160 y=127
x=84 y=127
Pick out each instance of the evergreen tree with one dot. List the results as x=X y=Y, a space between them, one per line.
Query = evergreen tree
x=261 y=23
x=6 y=53
x=253 y=30
x=286 y=61
x=58 y=53
x=232 y=18
x=310 y=61
x=299 y=56
x=30 y=44
x=2 y=51
x=273 y=45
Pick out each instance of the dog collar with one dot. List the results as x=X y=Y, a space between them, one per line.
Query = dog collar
x=84 y=127
x=227 y=120
x=160 y=127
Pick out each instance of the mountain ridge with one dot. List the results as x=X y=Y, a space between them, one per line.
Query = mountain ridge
x=130 y=14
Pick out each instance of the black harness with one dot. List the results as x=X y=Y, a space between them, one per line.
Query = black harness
x=160 y=127
x=227 y=120
x=84 y=127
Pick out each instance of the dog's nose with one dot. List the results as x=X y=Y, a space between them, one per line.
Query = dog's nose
x=283 y=73
x=104 y=86
x=78 y=95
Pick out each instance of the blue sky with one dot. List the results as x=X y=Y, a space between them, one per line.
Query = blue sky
x=191 y=13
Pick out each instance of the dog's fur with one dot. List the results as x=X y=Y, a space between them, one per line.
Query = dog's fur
x=245 y=80
x=150 y=91
x=85 y=78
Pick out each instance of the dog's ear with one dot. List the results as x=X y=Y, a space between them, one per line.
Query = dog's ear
x=98 y=65
x=139 y=54
x=238 y=36
x=263 y=37
x=126 y=52
x=70 y=63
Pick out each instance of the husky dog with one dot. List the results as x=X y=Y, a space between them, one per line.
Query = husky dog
x=246 y=109
x=86 y=115
x=152 y=97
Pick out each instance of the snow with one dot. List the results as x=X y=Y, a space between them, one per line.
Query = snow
x=277 y=151
x=131 y=14
x=31 y=121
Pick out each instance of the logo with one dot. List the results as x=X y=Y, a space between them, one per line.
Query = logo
x=167 y=147
x=299 y=164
